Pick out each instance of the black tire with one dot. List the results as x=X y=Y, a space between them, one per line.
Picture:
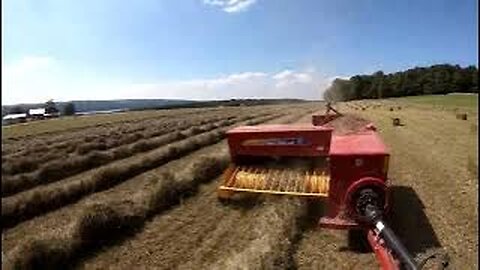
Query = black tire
x=434 y=258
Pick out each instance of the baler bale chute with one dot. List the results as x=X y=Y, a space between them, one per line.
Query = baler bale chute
x=348 y=172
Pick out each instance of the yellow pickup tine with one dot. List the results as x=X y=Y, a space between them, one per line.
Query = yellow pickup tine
x=277 y=181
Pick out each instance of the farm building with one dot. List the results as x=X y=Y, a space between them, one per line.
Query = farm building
x=14 y=118
x=38 y=113
x=41 y=113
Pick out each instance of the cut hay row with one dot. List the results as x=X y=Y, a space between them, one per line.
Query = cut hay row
x=213 y=228
x=15 y=145
x=275 y=230
x=62 y=139
x=103 y=222
x=49 y=138
x=110 y=220
x=59 y=169
x=41 y=163
x=222 y=231
x=44 y=199
x=32 y=158
x=67 y=166
x=41 y=149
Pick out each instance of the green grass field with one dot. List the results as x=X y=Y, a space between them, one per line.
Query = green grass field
x=448 y=101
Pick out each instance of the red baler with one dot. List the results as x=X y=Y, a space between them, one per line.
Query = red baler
x=348 y=172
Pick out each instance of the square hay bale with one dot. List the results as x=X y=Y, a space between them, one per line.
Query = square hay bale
x=396 y=122
x=461 y=116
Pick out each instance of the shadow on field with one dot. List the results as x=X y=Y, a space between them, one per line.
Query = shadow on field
x=242 y=201
x=90 y=251
x=409 y=221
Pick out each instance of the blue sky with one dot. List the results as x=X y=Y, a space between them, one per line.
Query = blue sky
x=214 y=49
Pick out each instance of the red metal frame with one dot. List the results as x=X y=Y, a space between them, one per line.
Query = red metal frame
x=383 y=254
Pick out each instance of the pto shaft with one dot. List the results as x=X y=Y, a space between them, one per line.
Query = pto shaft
x=391 y=240
x=369 y=205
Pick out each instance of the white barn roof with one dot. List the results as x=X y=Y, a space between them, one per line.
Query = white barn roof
x=14 y=116
x=39 y=111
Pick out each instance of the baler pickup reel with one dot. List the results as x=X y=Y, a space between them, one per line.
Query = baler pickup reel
x=278 y=159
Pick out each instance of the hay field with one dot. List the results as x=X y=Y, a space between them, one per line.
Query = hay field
x=140 y=192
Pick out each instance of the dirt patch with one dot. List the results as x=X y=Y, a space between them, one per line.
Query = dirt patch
x=347 y=124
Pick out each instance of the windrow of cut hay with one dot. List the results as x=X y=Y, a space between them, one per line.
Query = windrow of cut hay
x=74 y=164
x=68 y=141
x=60 y=139
x=42 y=154
x=273 y=229
x=33 y=143
x=37 y=155
x=102 y=223
x=43 y=199
x=125 y=120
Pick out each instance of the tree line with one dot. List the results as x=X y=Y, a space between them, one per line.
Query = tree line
x=436 y=79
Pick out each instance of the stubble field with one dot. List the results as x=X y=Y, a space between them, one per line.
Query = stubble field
x=140 y=192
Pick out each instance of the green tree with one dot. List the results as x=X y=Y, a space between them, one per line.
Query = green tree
x=472 y=74
x=376 y=88
x=50 y=107
x=17 y=109
x=69 y=109
x=436 y=79
x=427 y=82
x=357 y=85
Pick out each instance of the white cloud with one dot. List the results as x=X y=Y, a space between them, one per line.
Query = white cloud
x=288 y=78
x=231 y=6
x=285 y=84
x=37 y=79
x=331 y=79
x=29 y=79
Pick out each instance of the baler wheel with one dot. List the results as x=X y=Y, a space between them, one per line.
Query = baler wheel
x=433 y=259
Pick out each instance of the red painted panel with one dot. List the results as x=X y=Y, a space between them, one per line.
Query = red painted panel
x=364 y=143
x=277 y=128
x=280 y=140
